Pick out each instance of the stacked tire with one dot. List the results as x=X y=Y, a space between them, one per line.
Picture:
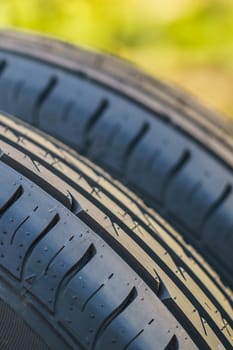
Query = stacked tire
x=115 y=206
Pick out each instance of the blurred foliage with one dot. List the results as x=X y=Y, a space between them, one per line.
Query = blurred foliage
x=187 y=42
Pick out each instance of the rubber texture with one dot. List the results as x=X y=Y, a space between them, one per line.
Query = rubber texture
x=15 y=334
x=176 y=155
x=86 y=265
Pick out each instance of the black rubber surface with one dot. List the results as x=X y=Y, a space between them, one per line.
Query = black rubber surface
x=15 y=333
x=86 y=265
x=175 y=154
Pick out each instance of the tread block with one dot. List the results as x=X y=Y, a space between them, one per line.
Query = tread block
x=157 y=155
x=219 y=228
x=201 y=188
x=113 y=136
x=54 y=266
x=72 y=115
x=93 y=308
x=19 y=96
x=127 y=326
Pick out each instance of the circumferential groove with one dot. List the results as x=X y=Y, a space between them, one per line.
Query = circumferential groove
x=224 y=195
x=125 y=303
x=35 y=177
x=104 y=104
x=52 y=83
x=80 y=264
x=136 y=140
x=185 y=157
x=15 y=196
x=124 y=253
x=173 y=343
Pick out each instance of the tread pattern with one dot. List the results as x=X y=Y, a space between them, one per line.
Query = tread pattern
x=180 y=173
x=65 y=261
x=71 y=277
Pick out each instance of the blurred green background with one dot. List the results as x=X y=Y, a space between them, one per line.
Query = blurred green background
x=186 y=42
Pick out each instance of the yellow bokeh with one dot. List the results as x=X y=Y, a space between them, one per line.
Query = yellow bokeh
x=186 y=42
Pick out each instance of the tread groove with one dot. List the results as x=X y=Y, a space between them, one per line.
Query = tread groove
x=53 y=258
x=185 y=157
x=17 y=228
x=125 y=303
x=173 y=343
x=53 y=222
x=132 y=340
x=3 y=66
x=136 y=140
x=76 y=268
x=75 y=206
x=44 y=94
x=195 y=335
x=103 y=106
x=36 y=178
x=128 y=257
x=224 y=195
x=91 y=296
x=87 y=219
x=15 y=196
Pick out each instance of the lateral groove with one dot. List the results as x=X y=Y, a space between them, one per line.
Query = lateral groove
x=91 y=296
x=103 y=106
x=15 y=196
x=173 y=343
x=53 y=222
x=44 y=94
x=125 y=303
x=80 y=264
x=3 y=66
x=185 y=157
x=132 y=340
x=17 y=228
x=227 y=191
x=135 y=141
x=53 y=258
